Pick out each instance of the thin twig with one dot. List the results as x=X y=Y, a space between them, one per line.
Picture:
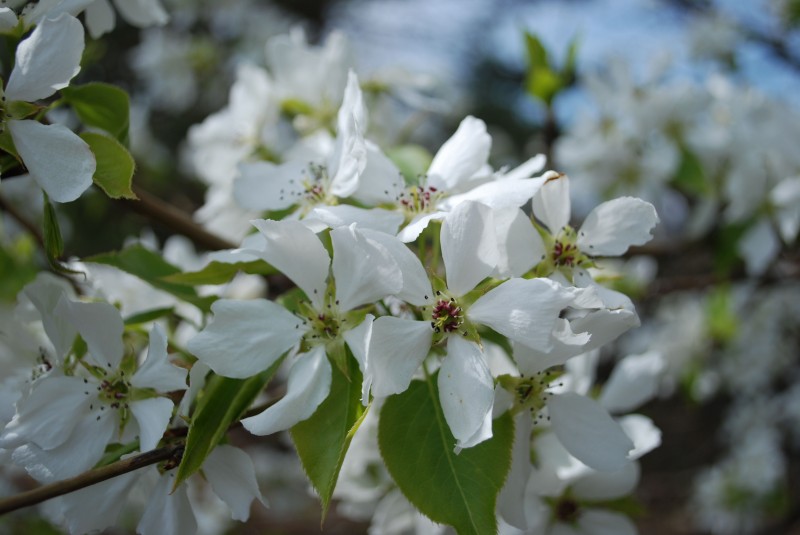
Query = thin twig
x=92 y=477
x=157 y=210
x=11 y=210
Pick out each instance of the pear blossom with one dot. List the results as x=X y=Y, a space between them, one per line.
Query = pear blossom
x=62 y=425
x=247 y=337
x=60 y=162
x=526 y=311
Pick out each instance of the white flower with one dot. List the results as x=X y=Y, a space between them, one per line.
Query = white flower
x=57 y=159
x=63 y=424
x=525 y=311
x=247 y=337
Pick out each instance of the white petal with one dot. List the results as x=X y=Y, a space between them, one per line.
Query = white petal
x=246 y=337
x=525 y=310
x=758 y=247
x=599 y=486
x=363 y=269
x=80 y=452
x=45 y=294
x=57 y=159
x=308 y=385
x=349 y=157
x=469 y=246
x=342 y=215
x=358 y=339
x=520 y=245
x=531 y=361
x=498 y=194
x=786 y=198
x=416 y=285
x=232 y=476
x=49 y=413
x=156 y=371
x=461 y=156
x=381 y=181
x=47 y=60
x=142 y=13
x=466 y=391
x=97 y=507
x=603 y=522
x=297 y=252
x=645 y=435
x=511 y=503
x=152 y=415
x=165 y=513
x=101 y=327
x=615 y=225
x=551 y=205
x=100 y=18
x=397 y=348
x=415 y=227
x=588 y=432
x=8 y=19
x=634 y=381
x=525 y=169
x=604 y=325
x=266 y=186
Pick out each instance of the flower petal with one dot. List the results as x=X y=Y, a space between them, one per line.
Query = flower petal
x=466 y=391
x=588 y=432
x=142 y=13
x=416 y=285
x=415 y=227
x=246 y=337
x=47 y=60
x=296 y=251
x=511 y=503
x=156 y=371
x=97 y=507
x=396 y=350
x=343 y=215
x=551 y=204
x=603 y=522
x=525 y=310
x=57 y=159
x=165 y=513
x=381 y=181
x=498 y=194
x=101 y=327
x=232 y=476
x=308 y=385
x=45 y=293
x=266 y=186
x=758 y=247
x=519 y=244
x=615 y=225
x=645 y=435
x=363 y=269
x=358 y=339
x=634 y=381
x=461 y=156
x=152 y=415
x=100 y=19
x=600 y=486
x=469 y=246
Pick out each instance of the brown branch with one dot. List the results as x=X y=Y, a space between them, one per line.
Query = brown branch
x=92 y=477
x=11 y=210
x=162 y=212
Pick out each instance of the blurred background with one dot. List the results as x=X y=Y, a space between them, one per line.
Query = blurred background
x=689 y=104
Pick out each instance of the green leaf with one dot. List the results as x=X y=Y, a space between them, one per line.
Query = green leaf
x=537 y=54
x=19 y=109
x=411 y=160
x=220 y=272
x=101 y=105
x=148 y=316
x=224 y=401
x=53 y=242
x=543 y=84
x=323 y=439
x=7 y=143
x=152 y=268
x=417 y=446
x=691 y=176
x=115 y=165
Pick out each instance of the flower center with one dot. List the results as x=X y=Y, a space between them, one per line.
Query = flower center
x=447 y=316
x=316 y=184
x=565 y=252
x=566 y=510
x=531 y=392
x=325 y=325
x=420 y=199
x=114 y=391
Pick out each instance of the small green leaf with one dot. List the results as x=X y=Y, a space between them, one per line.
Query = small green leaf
x=691 y=176
x=19 y=109
x=543 y=84
x=53 y=243
x=101 y=105
x=224 y=401
x=417 y=446
x=411 y=160
x=148 y=316
x=537 y=54
x=152 y=268
x=115 y=165
x=323 y=439
x=220 y=272
x=7 y=143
